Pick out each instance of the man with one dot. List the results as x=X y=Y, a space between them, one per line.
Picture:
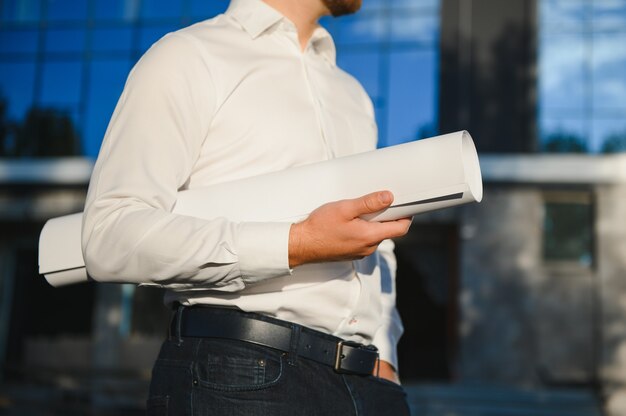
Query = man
x=271 y=318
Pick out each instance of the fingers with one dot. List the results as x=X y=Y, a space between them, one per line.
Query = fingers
x=389 y=229
x=370 y=203
x=335 y=231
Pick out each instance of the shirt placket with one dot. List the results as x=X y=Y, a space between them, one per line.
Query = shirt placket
x=317 y=104
x=351 y=322
x=306 y=62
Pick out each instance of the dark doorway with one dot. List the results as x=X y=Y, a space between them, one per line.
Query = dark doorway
x=427 y=293
x=36 y=309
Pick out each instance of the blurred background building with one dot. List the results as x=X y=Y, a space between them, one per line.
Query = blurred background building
x=525 y=291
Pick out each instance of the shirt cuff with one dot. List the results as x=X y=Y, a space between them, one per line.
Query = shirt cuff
x=386 y=340
x=263 y=250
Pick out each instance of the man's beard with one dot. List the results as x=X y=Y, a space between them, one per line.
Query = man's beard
x=342 y=7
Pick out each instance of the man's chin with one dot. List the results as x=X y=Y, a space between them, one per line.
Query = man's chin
x=342 y=7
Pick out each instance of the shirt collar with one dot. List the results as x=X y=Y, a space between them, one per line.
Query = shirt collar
x=255 y=16
x=323 y=43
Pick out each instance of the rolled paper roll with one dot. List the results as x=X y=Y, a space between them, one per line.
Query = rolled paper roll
x=423 y=175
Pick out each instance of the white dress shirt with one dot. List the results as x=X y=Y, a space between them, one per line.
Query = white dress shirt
x=228 y=98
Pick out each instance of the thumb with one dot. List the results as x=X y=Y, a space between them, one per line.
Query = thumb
x=374 y=202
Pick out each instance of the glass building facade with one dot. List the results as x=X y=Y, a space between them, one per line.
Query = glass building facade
x=64 y=63
x=70 y=59
x=582 y=75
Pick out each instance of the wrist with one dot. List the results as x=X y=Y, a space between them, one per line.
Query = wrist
x=295 y=245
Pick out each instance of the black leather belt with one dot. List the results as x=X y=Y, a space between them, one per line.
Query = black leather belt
x=209 y=322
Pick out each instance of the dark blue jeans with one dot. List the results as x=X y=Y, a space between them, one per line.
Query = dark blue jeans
x=207 y=376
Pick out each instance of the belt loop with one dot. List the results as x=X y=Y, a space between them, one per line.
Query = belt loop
x=177 y=328
x=294 y=342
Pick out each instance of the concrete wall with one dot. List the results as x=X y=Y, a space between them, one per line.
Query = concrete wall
x=611 y=232
x=522 y=322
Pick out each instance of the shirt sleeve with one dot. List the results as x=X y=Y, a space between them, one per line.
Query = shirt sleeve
x=389 y=333
x=153 y=139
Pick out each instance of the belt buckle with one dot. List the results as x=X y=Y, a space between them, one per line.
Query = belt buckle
x=339 y=356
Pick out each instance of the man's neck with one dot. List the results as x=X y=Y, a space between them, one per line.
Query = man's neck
x=303 y=13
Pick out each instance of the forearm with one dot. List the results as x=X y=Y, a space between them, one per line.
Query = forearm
x=147 y=245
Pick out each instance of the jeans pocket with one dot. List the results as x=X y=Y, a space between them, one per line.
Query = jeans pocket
x=157 y=406
x=239 y=367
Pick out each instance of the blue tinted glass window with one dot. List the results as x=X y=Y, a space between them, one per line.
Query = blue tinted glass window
x=609 y=135
x=364 y=66
x=360 y=29
x=582 y=74
x=18 y=41
x=161 y=9
x=374 y=5
x=414 y=4
x=560 y=15
x=112 y=39
x=562 y=84
x=414 y=27
x=564 y=134
x=609 y=72
x=151 y=34
x=203 y=9
x=63 y=10
x=16 y=87
x=116 y=9
x=609 y=15
x=107 y=82
x=61 y=84
x=391 y=48
x=65 y=40
x=21 y=10
x=412 y=96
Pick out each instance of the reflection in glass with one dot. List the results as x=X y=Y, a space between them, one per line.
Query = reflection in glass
x=65 y=40
x=16 y=87
x=395 y=60
x=374 y=4
x=582 y=82
x=107 y=81
x=562 y=15
x=46 y=132
x=563 y=78
x=412 y=96
x=150 y=34
x=610 y=135
x=112 y=39
x=418 y=27
x=609 y=15
x=202 y=9
x=63 y=10
x=560 y=134
x=415 y=4
x=18 y=41
x=116 y=9
x=161 y=9
x=364 y=67
x=61 y=84
x=360 y=29
x=21 y=10
x=609 y=72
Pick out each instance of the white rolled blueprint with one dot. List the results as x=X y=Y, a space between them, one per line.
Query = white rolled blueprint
x=424 y=175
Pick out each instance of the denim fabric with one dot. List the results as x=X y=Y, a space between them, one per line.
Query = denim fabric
x=204 y=376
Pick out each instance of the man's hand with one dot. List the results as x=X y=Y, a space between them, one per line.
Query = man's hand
x=385 y=370
x=335 y=231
